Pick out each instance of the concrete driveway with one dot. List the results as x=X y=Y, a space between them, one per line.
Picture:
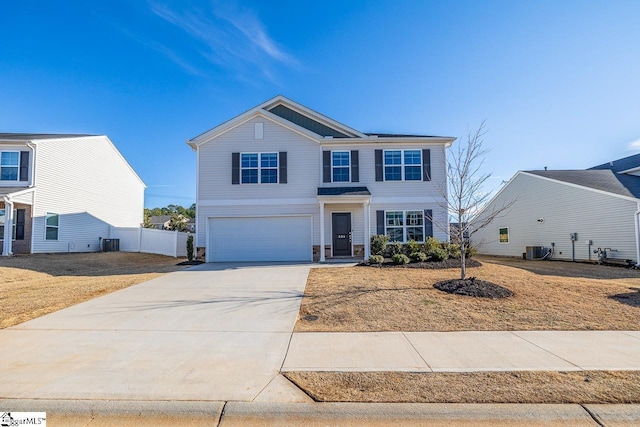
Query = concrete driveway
x=212 y=332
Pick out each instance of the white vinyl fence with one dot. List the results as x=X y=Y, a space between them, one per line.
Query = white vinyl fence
x=149 y=240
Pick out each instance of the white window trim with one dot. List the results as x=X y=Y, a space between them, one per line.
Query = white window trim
x=13 y=232
x=260 y=168
x=17 y=166
x=405 y=225
x=508 y=237
x=348 y=166
x=402 y=165
x=47 y=215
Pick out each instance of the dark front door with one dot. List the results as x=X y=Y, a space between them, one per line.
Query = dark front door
x=341 y=234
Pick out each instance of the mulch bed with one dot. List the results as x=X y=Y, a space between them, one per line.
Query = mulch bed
x=474 y=288
x=432 y=265
x=194 y=262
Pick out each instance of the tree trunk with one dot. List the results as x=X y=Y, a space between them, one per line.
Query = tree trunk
x=463 y=262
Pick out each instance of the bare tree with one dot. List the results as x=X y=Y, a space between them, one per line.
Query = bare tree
x=465 y=200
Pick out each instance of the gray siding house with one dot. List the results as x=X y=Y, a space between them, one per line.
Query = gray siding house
x=283 y=182
x=570 y=212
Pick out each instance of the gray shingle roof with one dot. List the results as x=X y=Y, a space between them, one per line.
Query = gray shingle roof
x=604 y=180
x=32 y=136
x=343 y=191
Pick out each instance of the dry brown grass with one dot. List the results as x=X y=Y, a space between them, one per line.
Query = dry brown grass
x=482 y=387
x=34 y=285
x=547 y=296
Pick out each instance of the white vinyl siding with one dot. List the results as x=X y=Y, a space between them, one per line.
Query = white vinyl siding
x=606 y=220
x=89 y=184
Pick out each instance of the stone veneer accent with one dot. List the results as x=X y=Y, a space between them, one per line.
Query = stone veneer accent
x=200 y=254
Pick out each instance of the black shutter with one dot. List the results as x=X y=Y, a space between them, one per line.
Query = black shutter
x=20 y=224
x=24 y=166
x=426 y=165
x=235 y=168
x=380 y=222
x=283 y=167
x=379 y=170
x=355 y=166
x=428 y=223
x=326 y=166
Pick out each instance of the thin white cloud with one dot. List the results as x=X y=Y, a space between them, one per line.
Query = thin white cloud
x=635 y=145
x=164 y=50
x=228 y=36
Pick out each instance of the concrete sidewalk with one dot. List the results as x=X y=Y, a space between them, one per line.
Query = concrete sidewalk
x=464 y=351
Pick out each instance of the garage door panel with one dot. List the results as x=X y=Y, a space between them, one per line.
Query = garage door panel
x=260 y=239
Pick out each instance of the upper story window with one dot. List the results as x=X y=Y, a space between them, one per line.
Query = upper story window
x=340 y=166
x=259 y=168
x=9 y=165
x=402 y=165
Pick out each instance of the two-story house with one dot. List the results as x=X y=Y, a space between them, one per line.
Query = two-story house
x=282 y=182
x=62 y=193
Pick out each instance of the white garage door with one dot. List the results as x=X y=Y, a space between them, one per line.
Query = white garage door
x=275 y=238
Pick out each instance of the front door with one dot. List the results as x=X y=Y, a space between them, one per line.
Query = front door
x=341 y=234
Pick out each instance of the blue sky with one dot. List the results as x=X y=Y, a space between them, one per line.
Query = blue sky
x=557 y=81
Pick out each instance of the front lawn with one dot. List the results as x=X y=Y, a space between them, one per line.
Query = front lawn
x=34 y=285
x=548 y=295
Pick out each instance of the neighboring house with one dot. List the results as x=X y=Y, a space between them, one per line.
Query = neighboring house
x=62 y=193
x=571 y=212
x=280 y=182
x=191 y=225
x=160 y=222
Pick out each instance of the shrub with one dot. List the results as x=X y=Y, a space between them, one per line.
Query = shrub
x=453 y=250
x=438 y=254
x=412 y=246
x=395 y=248
x=376 y=259
x=471 y=252
x=430 y=244
x=379 y=243
x=400 y=259
x=418 y=256
x=190 y=247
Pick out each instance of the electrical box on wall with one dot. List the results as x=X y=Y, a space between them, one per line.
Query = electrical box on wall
x=574 y=236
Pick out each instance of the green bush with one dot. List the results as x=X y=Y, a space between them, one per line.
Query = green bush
x=395 y=248
x=453 y=250
x=430 y=244
x=411 y=247
x=376 y=259
x=190 y=247
x=418 y=256
x=400 y=259
x=379 y=243
x=471 y=252
x=438 y=254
